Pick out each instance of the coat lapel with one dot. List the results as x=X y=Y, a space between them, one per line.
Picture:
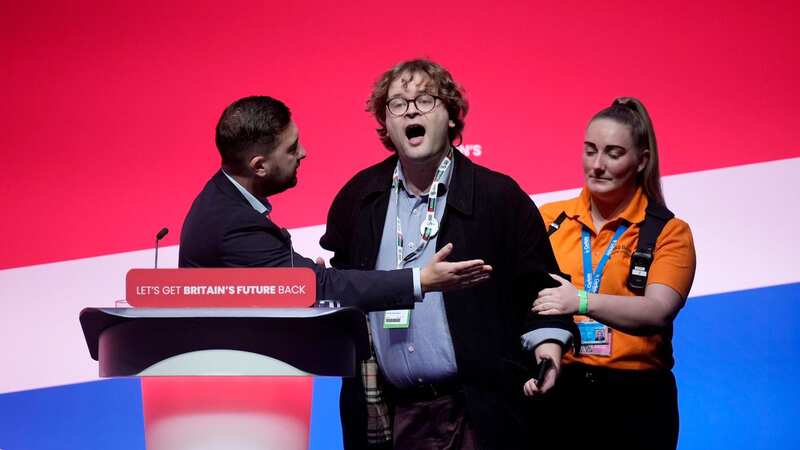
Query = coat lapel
x=229 y=190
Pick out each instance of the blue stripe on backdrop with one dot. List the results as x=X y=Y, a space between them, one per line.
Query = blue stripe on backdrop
x=326 y=427
x=738 y=365
x=99 y=415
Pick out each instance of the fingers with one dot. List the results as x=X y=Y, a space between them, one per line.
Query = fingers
x=543 y=303
x=461 y=266
x=530 y=389
x=443 y=253
x=320 y=262
x=546 y=309
x=478 y=271
x=558 y=278
x=475 y=270
x=475 y=280
x=460 y=282
x=468 y=277
x=545 y=292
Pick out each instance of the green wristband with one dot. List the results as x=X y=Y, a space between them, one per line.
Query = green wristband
x=583 y=304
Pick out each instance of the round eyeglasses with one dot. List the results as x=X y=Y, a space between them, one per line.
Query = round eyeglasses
x=424 y=103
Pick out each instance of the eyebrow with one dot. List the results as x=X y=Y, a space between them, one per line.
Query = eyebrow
x=423 y=92
x=607 y=147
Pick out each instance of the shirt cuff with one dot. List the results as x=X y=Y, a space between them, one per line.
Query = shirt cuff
x=533 y=338
x=417 y=284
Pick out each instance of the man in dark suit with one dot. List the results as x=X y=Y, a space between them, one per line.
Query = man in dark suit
x=228 y=224
x=454 y=367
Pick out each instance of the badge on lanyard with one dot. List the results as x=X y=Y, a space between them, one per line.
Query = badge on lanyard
x=401 y=318
x=430 y=226
x=596 y=337
x=397 y=318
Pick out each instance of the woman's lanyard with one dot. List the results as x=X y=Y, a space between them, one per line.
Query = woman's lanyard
x=591 y=280
x=429 y=226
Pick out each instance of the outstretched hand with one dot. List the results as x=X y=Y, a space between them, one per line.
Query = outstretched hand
x=558 y=300
x=441 y=275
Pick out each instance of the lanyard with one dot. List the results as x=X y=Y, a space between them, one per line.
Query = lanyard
x=430 y=226
x=591 y=280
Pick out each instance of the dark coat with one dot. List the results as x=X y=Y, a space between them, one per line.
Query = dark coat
x=487 y=216
x=223 y=230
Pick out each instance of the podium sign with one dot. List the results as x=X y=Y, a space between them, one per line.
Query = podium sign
x=225 y=287
x=225 y=355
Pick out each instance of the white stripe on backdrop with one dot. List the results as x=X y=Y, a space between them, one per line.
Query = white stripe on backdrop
x=742 y=219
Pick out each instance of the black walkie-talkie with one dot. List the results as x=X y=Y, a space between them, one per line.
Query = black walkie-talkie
x=543 y=367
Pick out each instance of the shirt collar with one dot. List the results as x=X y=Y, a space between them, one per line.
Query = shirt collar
x=633 y=213
x=263 y=207
x=460 y=190
x=448 y=174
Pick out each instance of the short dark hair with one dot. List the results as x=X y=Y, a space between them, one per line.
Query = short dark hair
x=248 y=122
x=451 y=94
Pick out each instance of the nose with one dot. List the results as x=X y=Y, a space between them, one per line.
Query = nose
x=412 y=111
x=301 y=152
x=597 y=163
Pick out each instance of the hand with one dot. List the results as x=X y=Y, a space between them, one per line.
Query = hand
x=558 y=300
x=440 y=275
x=545 y=350
x=320 y=262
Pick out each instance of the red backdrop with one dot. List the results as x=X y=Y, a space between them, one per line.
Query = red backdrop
x=109 y=109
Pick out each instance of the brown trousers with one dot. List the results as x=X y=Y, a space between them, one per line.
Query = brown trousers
x=439 y=424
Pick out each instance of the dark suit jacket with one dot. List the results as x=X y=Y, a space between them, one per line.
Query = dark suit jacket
x=487 y=216
x=223 y=230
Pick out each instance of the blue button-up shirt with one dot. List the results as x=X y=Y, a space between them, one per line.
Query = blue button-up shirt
x=422 y=353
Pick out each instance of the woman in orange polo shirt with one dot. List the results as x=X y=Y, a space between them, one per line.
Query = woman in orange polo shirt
x=619 y=390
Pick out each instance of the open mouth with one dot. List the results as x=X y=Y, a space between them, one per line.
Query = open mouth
x=415 y=133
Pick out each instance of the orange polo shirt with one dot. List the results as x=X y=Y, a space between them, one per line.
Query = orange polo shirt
x=673 y=265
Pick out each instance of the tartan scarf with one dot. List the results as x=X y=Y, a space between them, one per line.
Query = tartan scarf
x=379 y=423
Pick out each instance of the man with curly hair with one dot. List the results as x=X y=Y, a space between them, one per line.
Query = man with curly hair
x=450 y=372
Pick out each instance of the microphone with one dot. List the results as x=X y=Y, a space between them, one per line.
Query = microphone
x=161 y=234
x=159 y=237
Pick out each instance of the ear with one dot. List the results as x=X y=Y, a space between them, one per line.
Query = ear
x=259 y=165
x=644 y=158
x=451 y=124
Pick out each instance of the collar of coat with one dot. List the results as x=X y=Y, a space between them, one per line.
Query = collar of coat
x=460 y=192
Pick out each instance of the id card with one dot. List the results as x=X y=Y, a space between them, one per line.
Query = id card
x=595 y=338
x=397 y=318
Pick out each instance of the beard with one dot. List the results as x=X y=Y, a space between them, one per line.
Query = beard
x=276 y=186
